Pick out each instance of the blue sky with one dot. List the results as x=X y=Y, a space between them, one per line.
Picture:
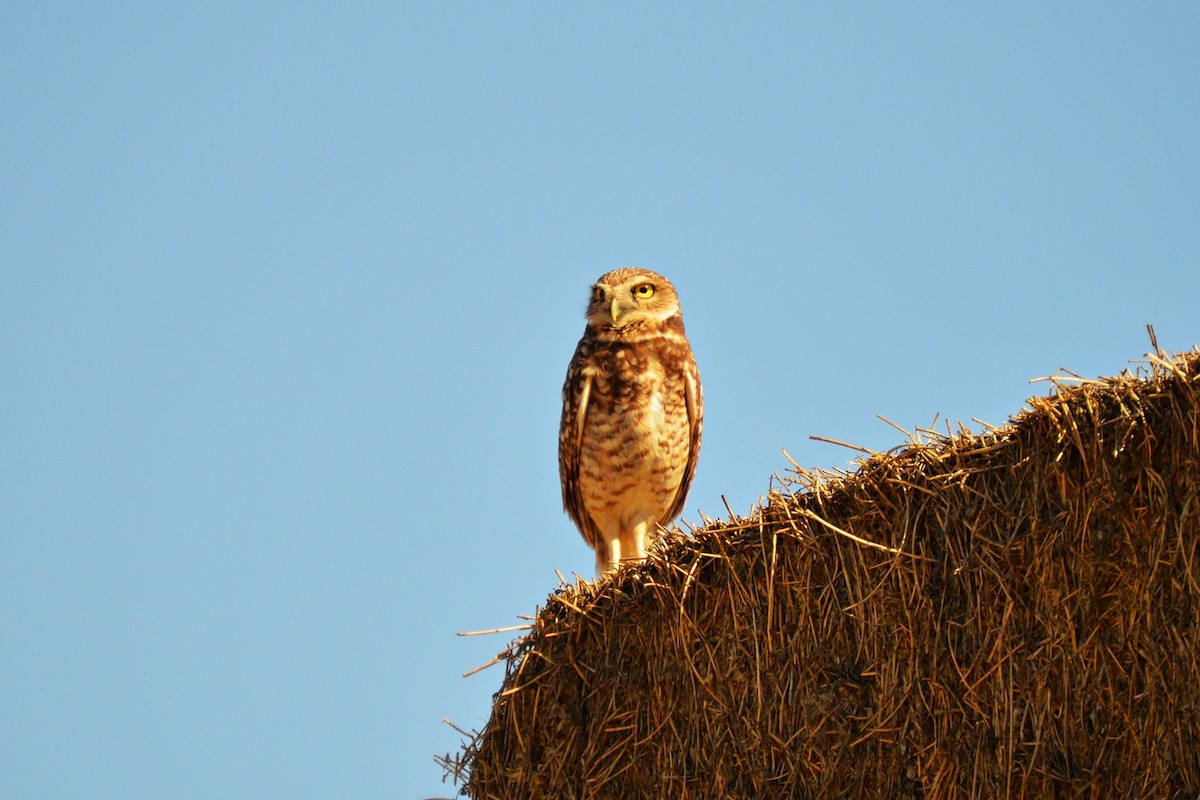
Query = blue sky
x=287 y=294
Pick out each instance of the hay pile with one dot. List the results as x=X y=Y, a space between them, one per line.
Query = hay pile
x=1020 y=619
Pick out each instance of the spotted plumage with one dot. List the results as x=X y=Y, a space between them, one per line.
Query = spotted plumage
x=632 y=410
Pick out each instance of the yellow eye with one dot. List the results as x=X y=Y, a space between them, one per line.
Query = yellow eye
x=643 y=291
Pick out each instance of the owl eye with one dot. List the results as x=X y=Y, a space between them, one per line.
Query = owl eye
x=644 y=291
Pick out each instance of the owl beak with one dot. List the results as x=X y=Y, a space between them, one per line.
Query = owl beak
x=615 y=311
x=619 y=308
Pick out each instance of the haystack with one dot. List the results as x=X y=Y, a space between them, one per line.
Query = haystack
x=1007 y=614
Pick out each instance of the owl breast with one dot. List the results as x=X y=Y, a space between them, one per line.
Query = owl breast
x=634 y=447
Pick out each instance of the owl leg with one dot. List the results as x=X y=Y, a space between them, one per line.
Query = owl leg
x=608 y=556
x=633 y=544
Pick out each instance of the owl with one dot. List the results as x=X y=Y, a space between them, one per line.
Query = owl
x=631 y=419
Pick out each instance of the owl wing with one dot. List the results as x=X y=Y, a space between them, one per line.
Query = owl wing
x=577 y=393
x=694 y=397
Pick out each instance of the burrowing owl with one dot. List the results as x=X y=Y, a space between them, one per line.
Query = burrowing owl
x=632 y=408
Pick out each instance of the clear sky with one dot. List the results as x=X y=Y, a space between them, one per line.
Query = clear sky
x=287 y=294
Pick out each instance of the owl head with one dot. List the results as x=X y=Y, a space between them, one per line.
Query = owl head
x=629 y=295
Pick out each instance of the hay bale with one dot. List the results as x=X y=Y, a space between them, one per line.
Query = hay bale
x=1018 y=616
